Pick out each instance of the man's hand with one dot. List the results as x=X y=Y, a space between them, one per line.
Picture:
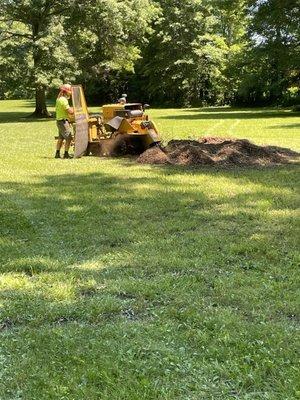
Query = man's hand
x=70 y=110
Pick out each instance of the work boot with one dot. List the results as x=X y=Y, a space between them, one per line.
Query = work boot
x=57 y=154
x=67 y=155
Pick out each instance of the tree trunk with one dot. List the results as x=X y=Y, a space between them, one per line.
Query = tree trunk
x=40 y=103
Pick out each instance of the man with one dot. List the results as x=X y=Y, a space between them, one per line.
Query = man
x=123 y=100
x=63 y=112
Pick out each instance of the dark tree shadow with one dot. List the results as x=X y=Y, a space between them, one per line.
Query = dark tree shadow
x=11 y=116
x=59 y=225
x=229 y=113
x=288 y=126
x=14 y=117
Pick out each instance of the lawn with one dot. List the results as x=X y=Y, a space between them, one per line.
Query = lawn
x=128 y=282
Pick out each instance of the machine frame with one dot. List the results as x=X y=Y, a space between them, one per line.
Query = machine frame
x=119 y=130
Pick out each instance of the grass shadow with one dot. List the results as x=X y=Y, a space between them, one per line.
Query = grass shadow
x=229 y=113
x=289 y=126
x=150 y=259
x=98 y=218
x=19 y=117
x=13 y=111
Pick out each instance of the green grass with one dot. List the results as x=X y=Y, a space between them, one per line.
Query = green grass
x=120 y=281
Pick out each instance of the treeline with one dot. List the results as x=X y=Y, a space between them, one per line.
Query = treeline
x=166 y=52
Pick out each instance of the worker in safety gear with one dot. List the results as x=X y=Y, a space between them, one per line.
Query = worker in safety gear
x=63 y=112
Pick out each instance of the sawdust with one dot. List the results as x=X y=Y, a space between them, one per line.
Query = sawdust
x=154 y=155
x=217 y=151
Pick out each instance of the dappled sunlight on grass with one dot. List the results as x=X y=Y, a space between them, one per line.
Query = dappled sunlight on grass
x=162 y=282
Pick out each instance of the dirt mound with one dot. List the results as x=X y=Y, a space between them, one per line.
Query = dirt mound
x=216 y=151
x=154 y=155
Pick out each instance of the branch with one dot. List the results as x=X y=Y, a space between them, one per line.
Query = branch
x=47 y=8
x=58 y=12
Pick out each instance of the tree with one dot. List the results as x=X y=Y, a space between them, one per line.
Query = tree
x=164 y=51
x=184 y=61
x=106 y=36
x=232 y=24
x=59 y=41
x=34 y=30
x=273 y=61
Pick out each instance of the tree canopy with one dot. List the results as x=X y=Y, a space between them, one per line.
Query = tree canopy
x=164 y=51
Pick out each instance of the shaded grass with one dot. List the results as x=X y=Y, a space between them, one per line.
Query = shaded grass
x=121 y=281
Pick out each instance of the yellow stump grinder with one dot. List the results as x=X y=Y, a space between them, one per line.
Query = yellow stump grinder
x=119 y=130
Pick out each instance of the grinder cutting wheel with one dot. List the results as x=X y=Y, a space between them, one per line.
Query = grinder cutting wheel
x=120 y=129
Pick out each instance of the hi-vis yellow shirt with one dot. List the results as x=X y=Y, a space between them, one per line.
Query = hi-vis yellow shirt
x=61 y=108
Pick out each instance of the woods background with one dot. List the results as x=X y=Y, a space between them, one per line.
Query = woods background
x=166 y=52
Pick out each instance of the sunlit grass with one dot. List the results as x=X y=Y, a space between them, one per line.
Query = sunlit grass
x=121 y=281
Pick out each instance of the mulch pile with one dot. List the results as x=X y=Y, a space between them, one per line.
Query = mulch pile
x=217 y=151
